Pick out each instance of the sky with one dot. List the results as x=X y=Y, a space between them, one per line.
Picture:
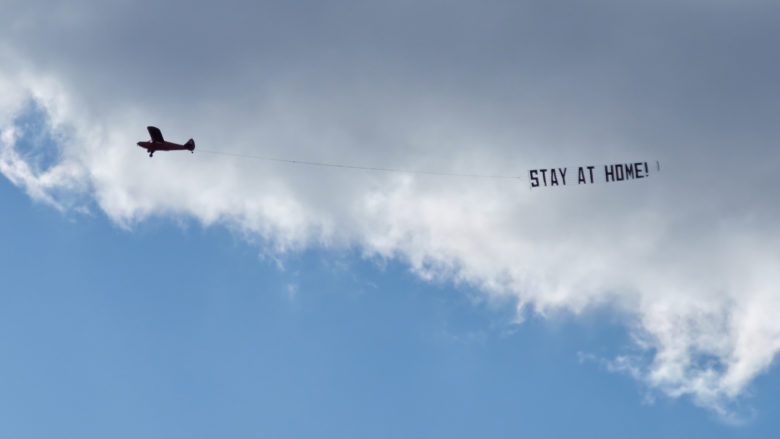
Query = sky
x=211 y=293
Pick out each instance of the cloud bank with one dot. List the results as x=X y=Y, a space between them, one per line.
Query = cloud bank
x=690 y=255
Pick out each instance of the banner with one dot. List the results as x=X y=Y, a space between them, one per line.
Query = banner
x=580 y=175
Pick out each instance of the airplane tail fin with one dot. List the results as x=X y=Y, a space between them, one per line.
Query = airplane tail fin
x=190 y=145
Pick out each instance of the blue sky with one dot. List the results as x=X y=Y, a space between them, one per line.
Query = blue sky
x=171 y=331
x=215 y=290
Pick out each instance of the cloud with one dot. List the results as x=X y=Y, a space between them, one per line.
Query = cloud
x=690 y=255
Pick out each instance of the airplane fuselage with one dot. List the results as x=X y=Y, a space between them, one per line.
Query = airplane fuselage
x=164 y=146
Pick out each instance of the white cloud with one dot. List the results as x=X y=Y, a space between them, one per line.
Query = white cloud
x=690 y=255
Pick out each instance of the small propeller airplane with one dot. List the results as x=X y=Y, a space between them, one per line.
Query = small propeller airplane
x=159 y=144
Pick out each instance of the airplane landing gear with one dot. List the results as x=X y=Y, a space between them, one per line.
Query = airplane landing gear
x=151 y=154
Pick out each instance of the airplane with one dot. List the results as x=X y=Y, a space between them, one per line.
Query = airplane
x=159 y=144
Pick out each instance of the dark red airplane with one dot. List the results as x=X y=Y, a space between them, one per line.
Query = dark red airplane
x=159 y=144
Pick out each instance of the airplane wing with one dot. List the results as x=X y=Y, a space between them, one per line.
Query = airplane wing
x=155 y=134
